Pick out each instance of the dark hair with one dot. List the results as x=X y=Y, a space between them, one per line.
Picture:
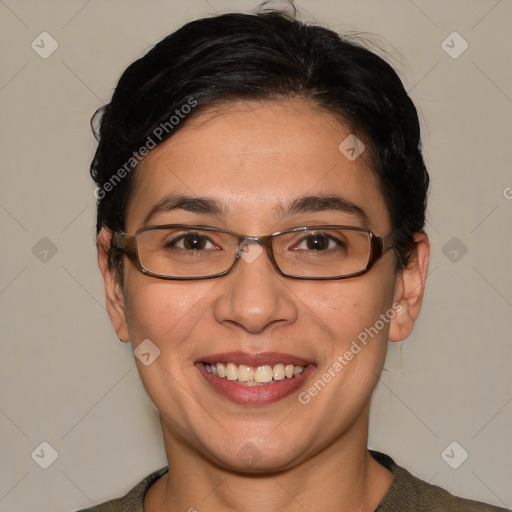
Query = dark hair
x=265 y=56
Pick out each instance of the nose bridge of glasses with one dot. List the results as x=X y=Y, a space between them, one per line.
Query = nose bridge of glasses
x=250 y=247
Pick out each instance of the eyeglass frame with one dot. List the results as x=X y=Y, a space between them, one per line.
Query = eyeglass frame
x=379 y=245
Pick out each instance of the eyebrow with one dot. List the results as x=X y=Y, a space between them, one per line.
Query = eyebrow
x=314 y=204
x=194 y=204
x=212 y=206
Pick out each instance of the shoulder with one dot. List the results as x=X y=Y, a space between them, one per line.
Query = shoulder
x=133 y=501
x=410 y=494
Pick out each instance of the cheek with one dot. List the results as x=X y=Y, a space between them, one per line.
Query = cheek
x=163 y=311
x=355 y=352
x=170 y=315
x=350 y=307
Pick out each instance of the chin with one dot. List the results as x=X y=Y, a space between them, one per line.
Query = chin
x=255 y=457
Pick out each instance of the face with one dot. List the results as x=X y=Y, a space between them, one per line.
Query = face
x=254 y=160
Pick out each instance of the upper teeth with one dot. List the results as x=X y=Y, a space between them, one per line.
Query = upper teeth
x=263 y=373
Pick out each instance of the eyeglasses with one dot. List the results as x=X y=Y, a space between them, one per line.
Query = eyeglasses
x=184 y=252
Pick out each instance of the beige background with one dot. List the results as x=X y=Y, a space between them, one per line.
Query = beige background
x=66 y=380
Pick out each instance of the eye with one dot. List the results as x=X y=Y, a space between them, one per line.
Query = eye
x=191 y=242
x=317 y=242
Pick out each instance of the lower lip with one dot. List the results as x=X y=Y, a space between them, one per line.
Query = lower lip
x=255 y=395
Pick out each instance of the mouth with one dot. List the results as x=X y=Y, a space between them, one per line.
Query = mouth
x=254 y=378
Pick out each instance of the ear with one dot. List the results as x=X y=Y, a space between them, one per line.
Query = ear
x=409 y=290
x=113 y=287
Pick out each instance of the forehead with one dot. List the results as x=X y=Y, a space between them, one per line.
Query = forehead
x=254 y=159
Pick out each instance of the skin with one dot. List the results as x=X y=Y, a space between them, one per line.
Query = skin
x=254 y=157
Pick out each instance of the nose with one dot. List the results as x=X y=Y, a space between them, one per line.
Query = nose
x=254 y=296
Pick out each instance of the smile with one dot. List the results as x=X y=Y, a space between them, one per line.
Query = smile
x=254 y=376
x=254 y=379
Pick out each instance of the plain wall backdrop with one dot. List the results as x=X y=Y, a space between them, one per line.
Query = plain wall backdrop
x=68 y=382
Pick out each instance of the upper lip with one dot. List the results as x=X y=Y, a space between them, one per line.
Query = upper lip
x=254 y=358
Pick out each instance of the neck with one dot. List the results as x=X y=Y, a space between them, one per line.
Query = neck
x=343 y=473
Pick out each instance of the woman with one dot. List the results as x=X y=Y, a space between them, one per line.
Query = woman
x=261 y=203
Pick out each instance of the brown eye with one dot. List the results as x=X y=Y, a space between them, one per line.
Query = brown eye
x=191 y=242
x=316 y=242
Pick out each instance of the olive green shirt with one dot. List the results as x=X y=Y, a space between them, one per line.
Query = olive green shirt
x=406 y=494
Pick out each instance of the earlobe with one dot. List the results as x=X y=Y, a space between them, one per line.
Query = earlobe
x=409 y=290
x=113 y=288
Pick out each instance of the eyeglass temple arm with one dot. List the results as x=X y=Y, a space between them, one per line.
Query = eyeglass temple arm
x=388 y=241
x=382 y=244
x=124 y=243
